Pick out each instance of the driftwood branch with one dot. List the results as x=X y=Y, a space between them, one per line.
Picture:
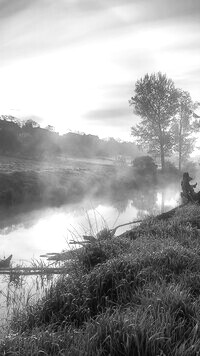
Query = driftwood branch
x=133 y=233
x=113 y=231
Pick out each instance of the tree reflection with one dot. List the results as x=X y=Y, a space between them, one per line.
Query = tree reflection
x=145 y=201
x=119 y=199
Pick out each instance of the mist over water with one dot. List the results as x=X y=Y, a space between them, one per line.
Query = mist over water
x=29 y=234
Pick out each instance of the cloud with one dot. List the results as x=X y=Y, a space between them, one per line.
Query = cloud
x=114 y=109
x=120 y=116
x=32 y=27
x=10 y=8
x=111 y=122
x=106 y=114
x=79 y=59
x=189 y=81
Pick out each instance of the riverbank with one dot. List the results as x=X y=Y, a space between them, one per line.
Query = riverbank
x=55 y=186
x=121 y=297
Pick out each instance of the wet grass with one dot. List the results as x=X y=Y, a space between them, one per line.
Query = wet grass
x=120 y=297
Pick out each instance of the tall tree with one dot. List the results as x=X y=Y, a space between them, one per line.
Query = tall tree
x=183 y=128
x=155 y=100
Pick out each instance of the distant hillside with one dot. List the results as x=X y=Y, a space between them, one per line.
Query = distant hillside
x=30 y=140
x=82 y=145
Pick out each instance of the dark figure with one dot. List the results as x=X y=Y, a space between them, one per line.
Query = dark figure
x=188 y=194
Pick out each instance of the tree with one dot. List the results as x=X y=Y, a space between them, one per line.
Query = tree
x=50 y=128
x=183 y=128
x=156 y=102
x=9 y=142
x=30 y=124
x=9 y=135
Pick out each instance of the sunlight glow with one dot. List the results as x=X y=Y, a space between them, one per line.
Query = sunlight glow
x=62 y=85
x=168 y=198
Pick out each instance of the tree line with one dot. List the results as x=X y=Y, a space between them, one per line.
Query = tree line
x=168 y=121
x=28 y=139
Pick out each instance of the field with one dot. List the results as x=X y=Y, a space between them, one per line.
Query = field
x=13 y=164
x=26 y=182
x=122 y=296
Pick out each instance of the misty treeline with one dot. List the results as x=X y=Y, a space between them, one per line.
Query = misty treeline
x=168 y=121
x=28 y=139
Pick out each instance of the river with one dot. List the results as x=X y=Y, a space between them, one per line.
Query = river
x=29 y=234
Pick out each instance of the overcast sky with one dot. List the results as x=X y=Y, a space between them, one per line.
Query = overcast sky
x=73 y=63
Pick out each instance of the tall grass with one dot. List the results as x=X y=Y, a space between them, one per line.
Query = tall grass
x=120 y=297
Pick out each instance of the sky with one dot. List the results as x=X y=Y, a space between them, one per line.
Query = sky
x=73 y=64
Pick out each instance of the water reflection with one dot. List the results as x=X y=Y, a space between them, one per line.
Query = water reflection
x=20 y=292
x=29 y=234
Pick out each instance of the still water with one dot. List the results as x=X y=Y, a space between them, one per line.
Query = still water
x=33 y=233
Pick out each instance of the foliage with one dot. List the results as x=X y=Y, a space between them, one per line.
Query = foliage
x=155 y=100
x=30 y=124
x=145 y=165
x=182 y=127
x=54 y=187
x=77 y=145
x=171 y=168
x=28 y=139
x=9 y=135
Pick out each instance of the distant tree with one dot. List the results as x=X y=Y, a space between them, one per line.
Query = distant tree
x=183 y=127
x=9 y=135
x=155 y=100
x=9 y=142
x=30 y=124
x=50 y=128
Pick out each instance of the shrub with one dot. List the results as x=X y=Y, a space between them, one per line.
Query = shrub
x=145 y=166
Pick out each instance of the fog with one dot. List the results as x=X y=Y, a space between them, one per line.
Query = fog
x=51 y=182
x=81 y=198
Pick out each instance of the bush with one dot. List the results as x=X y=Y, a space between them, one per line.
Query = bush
x=145 y=166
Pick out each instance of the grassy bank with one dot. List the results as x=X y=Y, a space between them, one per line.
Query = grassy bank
x=48 y=187
x=56 y=187
x=121 y=297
